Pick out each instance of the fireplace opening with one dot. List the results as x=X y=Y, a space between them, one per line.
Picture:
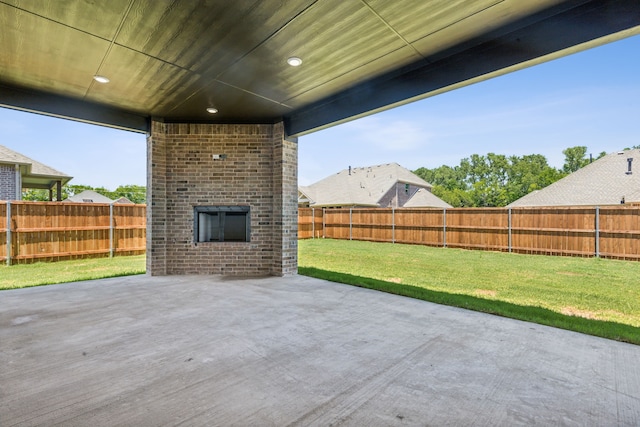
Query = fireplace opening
x=222 y=224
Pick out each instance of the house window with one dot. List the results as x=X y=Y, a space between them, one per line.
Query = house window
x=221 y=224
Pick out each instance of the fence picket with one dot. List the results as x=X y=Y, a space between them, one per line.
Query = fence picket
x=609 y=232
x=38 y=231
x=53 y=230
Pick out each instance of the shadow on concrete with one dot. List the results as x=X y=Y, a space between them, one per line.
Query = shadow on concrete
x=201 y=350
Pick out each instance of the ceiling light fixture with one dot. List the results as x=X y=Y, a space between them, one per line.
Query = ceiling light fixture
x=101 y=79
x=294 y=61
x=212 y=110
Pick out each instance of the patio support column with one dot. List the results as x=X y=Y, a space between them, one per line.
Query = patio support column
x=157 y=200
x=285 y=203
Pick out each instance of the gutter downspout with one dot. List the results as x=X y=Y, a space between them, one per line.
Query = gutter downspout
x=396 y=193
x=9 y=237
x=18 y=181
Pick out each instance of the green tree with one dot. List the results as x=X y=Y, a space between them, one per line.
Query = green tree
x=41 y=195
x=529 y=173
x=448 y=184
x=135 y=193
x=574 y=158
x=35 y=195
x=490 y=180
x=497 y=180
x=486 y=178
x=444 y=176
x=72 y=190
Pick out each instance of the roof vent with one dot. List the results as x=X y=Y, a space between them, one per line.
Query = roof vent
x=629 y=163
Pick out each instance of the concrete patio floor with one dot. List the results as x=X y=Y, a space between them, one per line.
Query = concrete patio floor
x=152 y=351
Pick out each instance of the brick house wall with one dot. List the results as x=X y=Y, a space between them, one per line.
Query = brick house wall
x=7 y=182
x=260 y=171
x=403 y=195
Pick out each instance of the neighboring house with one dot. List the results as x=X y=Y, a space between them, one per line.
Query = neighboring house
x=123 y=201
x=90 y=196
x=426 y=199
x=18 y=172
x=610 y=180
x=388 y=185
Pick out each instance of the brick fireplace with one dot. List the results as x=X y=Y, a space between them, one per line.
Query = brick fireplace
x=223 y=172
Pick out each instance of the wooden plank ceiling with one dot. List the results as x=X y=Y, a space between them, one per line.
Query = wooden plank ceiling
x=174 y=59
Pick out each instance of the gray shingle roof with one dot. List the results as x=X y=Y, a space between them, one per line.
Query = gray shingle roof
x=8 y=156
x=603 y=182
x=359 y=186
x=426 y=199
x=34 y=173
x=89 y=196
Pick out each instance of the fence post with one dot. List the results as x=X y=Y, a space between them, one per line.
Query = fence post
x=509 y=225
x=597 y=232
x=8 y=234
x=111 y=230
x=324 y=225
x=393 y=225
x=313 y=223
x=350 y=223
x=444 y=227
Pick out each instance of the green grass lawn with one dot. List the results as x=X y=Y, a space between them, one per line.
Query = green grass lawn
x=47 y=273
x=595 y=296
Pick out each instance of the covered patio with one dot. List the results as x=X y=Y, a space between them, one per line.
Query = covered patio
x=212 y=350
x=224 y=89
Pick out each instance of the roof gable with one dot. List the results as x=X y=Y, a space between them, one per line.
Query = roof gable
x=89 y=196
x=425 y=199
x=34 y=174
x=360 y=186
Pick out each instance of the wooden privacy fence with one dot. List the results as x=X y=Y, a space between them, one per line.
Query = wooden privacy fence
x=35 y=231
x=610 y=232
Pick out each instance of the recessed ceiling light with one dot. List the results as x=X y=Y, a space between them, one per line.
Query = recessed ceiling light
x=212 y=110
x=101 y=79
x=294 y=61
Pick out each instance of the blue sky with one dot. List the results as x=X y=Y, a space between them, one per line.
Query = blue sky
x=590 y=98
